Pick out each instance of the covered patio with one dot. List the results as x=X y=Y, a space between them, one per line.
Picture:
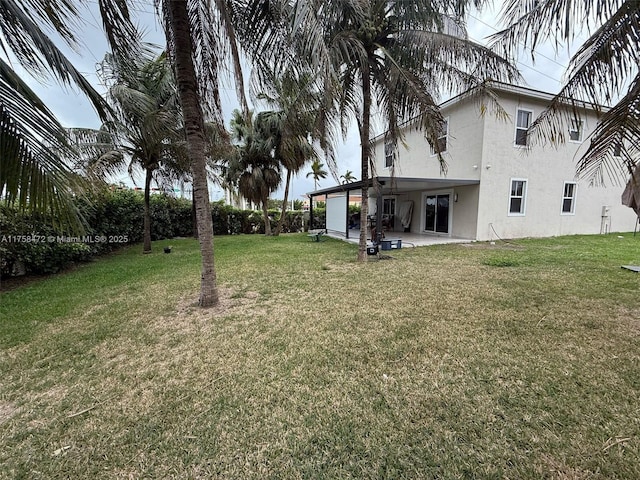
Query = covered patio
x=391 y=206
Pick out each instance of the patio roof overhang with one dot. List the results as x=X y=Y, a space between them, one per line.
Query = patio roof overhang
x=394 y=185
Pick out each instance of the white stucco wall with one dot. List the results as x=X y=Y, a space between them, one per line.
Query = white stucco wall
x=545 y=169
x=464 y=148
x=465 y=212
x=482 y=148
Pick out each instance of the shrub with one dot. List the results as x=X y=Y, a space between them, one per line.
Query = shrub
x=29 y=244
x=114 y=218
x=319 y=218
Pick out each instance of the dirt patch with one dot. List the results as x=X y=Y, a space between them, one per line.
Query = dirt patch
x=228 y=299
x=559 y=471
x=7 y=411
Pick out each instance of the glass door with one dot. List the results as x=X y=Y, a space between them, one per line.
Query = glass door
x=437 y=213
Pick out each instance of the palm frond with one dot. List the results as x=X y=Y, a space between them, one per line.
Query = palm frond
x=34 y=175
x=36 y=52
x=602 y=69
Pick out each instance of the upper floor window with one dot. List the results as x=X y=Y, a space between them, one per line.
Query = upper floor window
x=442 y=138
x=389 y=153
x=575 y=131
x=569 y=198
x=517 y=196
x=523 y=122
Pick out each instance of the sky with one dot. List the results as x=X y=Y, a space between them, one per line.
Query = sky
x=74 y=110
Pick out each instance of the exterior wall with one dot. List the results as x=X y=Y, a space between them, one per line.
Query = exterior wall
x=482 y=148
x=465 y=212
x=416 y=216
x=545 y=170
x=464 y=148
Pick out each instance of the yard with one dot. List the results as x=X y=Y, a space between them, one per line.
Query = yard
x=517 y=360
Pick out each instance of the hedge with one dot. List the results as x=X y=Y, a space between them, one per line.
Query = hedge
x=30 y=245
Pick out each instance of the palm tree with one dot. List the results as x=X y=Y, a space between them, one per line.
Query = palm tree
x=201 y=37
x=146 y=131
x=34 y=174
x=604 y=67
x=254 y=168
x=317 y=172
x=291 y=125
x=348 y=177
x=397 y=56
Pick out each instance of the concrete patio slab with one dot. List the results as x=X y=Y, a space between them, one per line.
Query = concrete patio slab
x=408 y=239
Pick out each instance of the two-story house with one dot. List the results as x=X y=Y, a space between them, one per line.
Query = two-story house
x=494 y=186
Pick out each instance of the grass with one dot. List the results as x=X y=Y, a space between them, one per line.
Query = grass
x=458 y=361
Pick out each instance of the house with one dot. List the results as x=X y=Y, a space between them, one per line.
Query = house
x=495 y=185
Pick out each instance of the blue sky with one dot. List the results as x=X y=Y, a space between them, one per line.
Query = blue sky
x=73 y=110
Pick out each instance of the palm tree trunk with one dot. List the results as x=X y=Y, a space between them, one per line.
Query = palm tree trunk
x=194 y=218
x=265 y=211
x=194 y=127
x=364 y=161
x=146 y=248
x=284 y=204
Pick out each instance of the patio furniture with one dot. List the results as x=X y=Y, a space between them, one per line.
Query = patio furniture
x=390 y=243
x=315 y=235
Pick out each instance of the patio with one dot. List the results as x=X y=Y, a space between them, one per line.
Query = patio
x=408 y=239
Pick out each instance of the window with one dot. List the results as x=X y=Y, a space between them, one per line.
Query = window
x=523 y=122
x=442 y=138
x=575 y=131
x=389 y=153
x=569 y=198
x=389 y=206
x=517 y=197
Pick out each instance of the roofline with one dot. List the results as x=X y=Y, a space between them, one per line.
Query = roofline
x=348 y=187
x=507 y=88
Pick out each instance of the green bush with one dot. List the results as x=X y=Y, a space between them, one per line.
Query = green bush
x=28 y=244
x=170 y=217
x=319 y=218
x=114 y=218
x=114 y=215
x=353 y=209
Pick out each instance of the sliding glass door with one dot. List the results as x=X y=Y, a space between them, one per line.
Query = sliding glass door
x=436 y=213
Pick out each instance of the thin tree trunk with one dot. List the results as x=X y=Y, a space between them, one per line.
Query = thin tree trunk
x=364 y=161
x=267 y=222
x=194 y=127
x=146 y=248
x=284 y=204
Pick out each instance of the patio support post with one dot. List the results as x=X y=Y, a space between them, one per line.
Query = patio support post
x=346 y=233
x=310 y=213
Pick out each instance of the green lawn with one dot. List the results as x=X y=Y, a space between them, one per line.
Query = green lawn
x=517 y=361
